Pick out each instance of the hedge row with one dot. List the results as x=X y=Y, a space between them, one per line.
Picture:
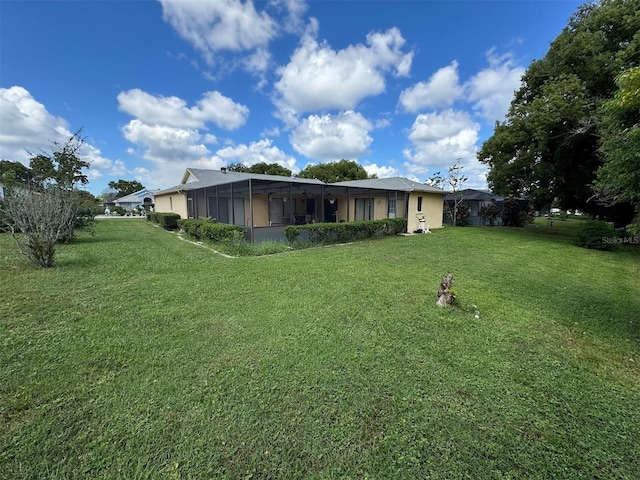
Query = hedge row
x=168 y=221
x=595 y=234
x=209 y=230
x=323 y=233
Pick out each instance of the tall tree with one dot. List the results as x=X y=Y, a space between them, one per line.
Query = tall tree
x=125 y=187
x=548 y=147
x=618 y=179
x=14 y=172
x=63 y=167
x=332 y=172
x=238 y=167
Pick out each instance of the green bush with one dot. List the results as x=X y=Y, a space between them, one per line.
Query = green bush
x=168 y=221
x=596 y=234
x=325 y=233
x=118 y=210
x=490 y=213
x=514 y=213
x=207 y=229
x=462 y=214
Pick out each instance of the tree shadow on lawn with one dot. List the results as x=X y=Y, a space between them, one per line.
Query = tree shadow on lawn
x=598 y=304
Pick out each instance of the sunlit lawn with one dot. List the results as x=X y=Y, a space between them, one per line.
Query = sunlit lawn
x=144 y=356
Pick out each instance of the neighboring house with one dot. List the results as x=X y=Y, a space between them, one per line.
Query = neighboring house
x=265 y=204
x=477 y=201
x=134 y=200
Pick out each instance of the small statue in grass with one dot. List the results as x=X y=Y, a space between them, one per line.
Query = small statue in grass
x=446 y=293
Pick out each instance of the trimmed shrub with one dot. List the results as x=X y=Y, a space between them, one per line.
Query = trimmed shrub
x=168 y=221
x=206 y=229
x=325 y=233
x=596 y=235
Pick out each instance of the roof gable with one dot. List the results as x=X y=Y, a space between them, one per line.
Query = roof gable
x=135 y=197
x=196 y=178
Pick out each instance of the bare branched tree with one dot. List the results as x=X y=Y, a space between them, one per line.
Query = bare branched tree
x=454 y=180
x=38 y=221
x=47 y=209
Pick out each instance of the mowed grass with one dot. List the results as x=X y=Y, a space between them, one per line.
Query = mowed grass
x=144 y=356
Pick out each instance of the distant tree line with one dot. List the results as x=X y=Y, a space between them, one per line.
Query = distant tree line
x=329 y=172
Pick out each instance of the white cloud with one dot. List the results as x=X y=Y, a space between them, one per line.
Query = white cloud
x=440 y=91
x=318 y=77
x=217 y=25
x=333 y=137
x=213 y=26
x=255 y=152
x=293 y=14
x=28 y=128
x=439 y=140
x=166 y=144
x=381 y=171
x=492 y=88
x=173 y=111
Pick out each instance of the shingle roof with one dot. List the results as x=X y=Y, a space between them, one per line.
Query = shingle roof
x=393 y=183
x=135 y=196
x=212 y=178
x=471 y=194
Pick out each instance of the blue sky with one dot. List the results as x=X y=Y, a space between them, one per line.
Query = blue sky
x=404 y=87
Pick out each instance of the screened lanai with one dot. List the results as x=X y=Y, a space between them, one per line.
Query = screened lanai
x=266 y=204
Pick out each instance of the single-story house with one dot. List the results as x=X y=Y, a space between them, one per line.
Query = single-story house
x=144 y=197
x=477 y=200
x=266 y=204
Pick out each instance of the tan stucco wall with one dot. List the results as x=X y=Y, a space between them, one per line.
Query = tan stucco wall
x=431 y=210
x=431 y=207
x=172 y=203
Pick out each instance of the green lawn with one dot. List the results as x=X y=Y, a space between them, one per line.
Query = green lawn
x=144 y=356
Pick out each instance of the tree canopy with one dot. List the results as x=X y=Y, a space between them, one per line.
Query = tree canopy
x=262 y=168
x=125 y=187
x=63 y=167
x=549 y=145
x=14 y=172
x=332 y=172
x=618 y=180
